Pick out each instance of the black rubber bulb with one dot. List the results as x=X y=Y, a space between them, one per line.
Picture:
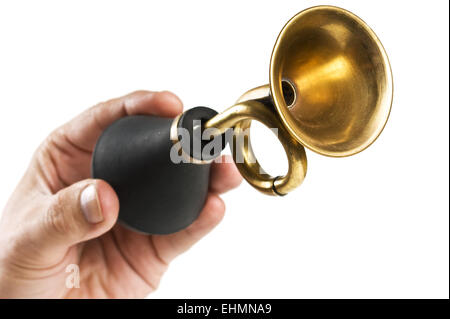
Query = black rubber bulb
x=156 y=195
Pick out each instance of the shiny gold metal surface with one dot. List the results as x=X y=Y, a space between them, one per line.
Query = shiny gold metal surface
x=330 y=90
x=240 y=116
x=342 y=80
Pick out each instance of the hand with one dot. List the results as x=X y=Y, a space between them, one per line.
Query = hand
x=58 y=216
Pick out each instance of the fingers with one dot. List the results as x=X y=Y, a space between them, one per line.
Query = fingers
x=170 y=246
x=84 y=130
x=77 y=213
x=224 y=175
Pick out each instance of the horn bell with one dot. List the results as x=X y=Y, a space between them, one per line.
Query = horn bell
x=331 y=81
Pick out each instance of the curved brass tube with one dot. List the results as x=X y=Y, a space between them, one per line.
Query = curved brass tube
x=239 y=117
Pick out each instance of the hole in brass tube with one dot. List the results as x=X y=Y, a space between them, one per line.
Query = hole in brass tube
x=288 y=93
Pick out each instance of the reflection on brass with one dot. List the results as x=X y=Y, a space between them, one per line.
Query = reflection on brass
x=330 y=90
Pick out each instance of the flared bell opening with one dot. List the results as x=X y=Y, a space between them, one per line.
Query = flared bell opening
x=331 y=81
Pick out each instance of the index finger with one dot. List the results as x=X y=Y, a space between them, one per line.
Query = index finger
x=84 y=130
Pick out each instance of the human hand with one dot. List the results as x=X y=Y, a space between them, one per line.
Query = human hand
x=58 y=216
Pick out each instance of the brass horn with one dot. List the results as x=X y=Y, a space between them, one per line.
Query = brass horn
x=330 y=90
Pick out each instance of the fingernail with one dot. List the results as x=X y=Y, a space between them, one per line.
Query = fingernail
x=90 y=205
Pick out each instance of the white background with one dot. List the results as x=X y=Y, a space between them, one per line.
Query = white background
x=372 y=225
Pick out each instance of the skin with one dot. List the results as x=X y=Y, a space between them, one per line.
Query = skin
x=43 y=230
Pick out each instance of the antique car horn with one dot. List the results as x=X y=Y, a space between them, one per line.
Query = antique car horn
x=330 y=91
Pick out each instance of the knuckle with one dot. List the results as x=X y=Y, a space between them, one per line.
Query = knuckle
x=56 y=220
x=139 y=92
x=63 y=220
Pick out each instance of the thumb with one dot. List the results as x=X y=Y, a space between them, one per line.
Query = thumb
x=80 y=212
